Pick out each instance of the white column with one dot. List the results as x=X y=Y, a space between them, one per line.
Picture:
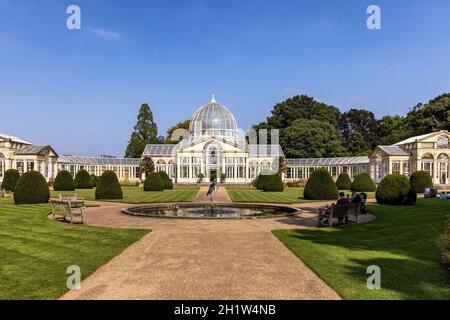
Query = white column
x=435 y=172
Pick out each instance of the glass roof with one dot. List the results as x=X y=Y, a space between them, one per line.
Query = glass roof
x=99 y=161
x=213 y=119
x=159 y=150
x=318 y=162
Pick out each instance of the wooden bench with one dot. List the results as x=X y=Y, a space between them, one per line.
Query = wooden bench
x=65 y=209
x=339 y=211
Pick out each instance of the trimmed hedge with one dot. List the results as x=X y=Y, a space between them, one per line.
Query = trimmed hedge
x=168 y=184
x=10 y=179
x=32 y=188
x=420 y=180
x=273 y=183
x=108 y=186
x=395 y=189
x=153 y=182
x=344 y=182
x=94 y=180
x=83 y=180
x=64 y=182
x=363 y=183
x=320 y=186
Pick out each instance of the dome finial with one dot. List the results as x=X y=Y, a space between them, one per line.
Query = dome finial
x=213 y=98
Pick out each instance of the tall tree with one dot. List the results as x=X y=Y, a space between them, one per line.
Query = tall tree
x=432 y=116
x=392 y=129
x=180 y=125
x=145 y=132
x=302 y=107
x=359 y=131
x=312 y=139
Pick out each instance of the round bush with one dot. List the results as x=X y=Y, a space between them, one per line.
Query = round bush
x=10 y=180
x=94 y=180
x=63 y=182
x=153 y=182
x=320 y=186
x=273 y=183
x=344 y=182
x=363 y=183
x=83 y=180
x=411 y=198
x=108 y=186
x=168 y=184
x=31 y=188
x=393 y=189
x=420 y=180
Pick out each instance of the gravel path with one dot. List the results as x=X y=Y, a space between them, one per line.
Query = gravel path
x=202 y=259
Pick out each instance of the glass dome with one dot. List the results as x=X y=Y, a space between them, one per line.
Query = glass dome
x=213 y=119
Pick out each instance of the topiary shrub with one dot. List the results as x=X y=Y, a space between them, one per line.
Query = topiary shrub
x=262 y=178
x=420 y=180
x=363 y=183
x=31 y=189
x=10 y=180
x=411 y=198
x=63 y=182
x=344 y=182
x=393 y=189
x=273 y=183
x=94 y=180
x=83 y=180
x=168 y=184
x=108 y=186
x=153 y=182
x=320 y=186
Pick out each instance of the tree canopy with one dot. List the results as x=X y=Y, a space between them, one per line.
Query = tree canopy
x=145 y=132
x=312 y=139
x=309 y=128
x=180 y=125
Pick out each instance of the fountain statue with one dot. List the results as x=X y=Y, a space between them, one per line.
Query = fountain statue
x=212 y=188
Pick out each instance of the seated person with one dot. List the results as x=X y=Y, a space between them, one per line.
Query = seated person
x=443 y=196
x=343 y=200
x=448 y=195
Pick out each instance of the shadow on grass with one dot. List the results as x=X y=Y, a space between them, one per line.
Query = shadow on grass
x=401 y=241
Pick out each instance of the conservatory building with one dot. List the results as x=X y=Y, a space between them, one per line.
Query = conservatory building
x=213 y=149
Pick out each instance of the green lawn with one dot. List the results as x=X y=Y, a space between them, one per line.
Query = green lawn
x=288 y=196
x=138 y=195
x=35 y=251
x=402 y=241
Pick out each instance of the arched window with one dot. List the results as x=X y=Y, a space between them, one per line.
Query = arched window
x=160 y=165
x=252 y=169
x=428 y=163
x=427 y=156
x=443 y=156
x=171 y=169
x=213 y=154
x=443 y=142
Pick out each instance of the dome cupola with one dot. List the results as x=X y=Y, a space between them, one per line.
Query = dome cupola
x=213 y=119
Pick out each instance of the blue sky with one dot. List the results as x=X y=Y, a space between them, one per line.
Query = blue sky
x=80 y=90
